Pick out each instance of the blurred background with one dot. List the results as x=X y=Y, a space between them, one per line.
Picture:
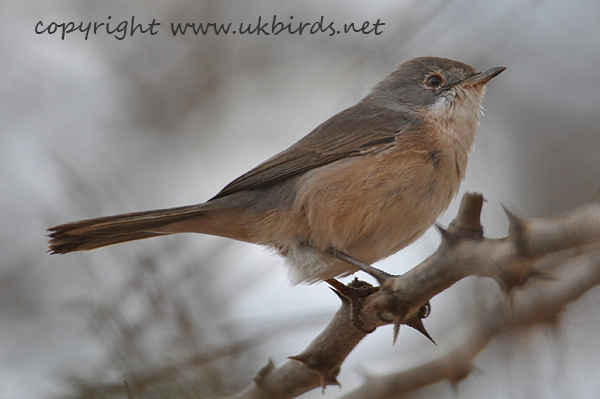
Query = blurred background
x=103 y=126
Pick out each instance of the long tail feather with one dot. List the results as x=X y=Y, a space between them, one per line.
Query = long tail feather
x=95 y=233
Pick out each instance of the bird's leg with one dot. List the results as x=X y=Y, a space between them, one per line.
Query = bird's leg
x=356 y=290
x=380 y=275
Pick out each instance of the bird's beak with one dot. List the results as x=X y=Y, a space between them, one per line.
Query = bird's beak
x=482 y=78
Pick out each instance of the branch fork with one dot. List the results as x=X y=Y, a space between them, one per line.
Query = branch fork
x=464 y=251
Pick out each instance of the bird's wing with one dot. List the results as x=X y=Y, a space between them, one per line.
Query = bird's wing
x=355 y=131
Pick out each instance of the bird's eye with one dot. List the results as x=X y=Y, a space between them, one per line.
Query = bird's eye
x=434 y=81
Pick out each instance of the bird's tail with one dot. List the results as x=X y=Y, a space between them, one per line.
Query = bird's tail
x=95 y=233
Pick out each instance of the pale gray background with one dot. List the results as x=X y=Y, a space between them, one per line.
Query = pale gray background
x=102 y=126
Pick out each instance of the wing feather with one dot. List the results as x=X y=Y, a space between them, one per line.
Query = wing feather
x=355 y=131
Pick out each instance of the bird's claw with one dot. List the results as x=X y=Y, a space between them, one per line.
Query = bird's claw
x=354 y=292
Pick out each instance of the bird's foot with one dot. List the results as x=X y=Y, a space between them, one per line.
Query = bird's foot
x=354 y=295
x=354 y=292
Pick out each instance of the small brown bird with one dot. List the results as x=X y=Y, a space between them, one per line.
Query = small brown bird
x=367 y=182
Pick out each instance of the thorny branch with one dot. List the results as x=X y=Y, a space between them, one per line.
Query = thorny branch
x=464 y=251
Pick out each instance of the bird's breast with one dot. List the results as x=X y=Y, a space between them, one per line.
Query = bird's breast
x=368 y=206
x=372 y=206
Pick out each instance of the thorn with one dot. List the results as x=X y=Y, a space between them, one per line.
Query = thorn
x=516 y=226
x=339 y=294
x=449 y=235
x=324 y=379
x=262 y=374
x=397 y=322
x=459 y=375
x=508 y=294
x=417 y=324
x=511 y=216
x=353 y=293
x=454 y=386
x=128 y=390
x=443 y=232
x=504 y=286
x=301 y=358
x=328 y=380
x=416 y=321
x=440 y=228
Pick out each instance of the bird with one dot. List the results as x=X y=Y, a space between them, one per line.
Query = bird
x=365 y=183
